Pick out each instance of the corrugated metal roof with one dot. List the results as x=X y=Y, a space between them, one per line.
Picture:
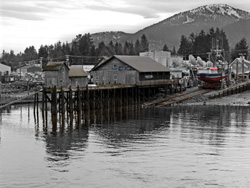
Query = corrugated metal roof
x=55 y=66
x=77 y=71
x=143 y=64
x=140 y=63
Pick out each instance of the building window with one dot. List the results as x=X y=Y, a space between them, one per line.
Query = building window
x=148 y=76
x=114 y=67
x=115 y=77
x=63 y=70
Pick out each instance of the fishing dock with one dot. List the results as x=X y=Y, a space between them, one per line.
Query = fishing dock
x=96 y=104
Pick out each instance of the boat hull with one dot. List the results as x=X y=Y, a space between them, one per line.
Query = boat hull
x=211 y=78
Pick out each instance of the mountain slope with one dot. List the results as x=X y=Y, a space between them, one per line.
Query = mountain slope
x=169 y=31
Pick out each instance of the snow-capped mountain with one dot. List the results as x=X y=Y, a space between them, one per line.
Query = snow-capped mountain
x=210 y=13
x=233 y=21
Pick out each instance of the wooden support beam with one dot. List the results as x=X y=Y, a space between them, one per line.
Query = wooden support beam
x=43 y=98
x=71 y=108
x=101 y=106
x=79 y=108
x=34 y=111
x=54 y=110
x=46 y=109
x=62 y=108
x=87 y=106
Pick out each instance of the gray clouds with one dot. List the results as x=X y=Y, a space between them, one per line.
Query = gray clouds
x=39 y=9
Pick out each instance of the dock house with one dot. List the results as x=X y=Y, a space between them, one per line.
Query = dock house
x=77 y=76
x=56 y=74
x=121 y=69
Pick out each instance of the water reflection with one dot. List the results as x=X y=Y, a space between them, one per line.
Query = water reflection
x=183 y=146
x=210 y=123
x=64 y=147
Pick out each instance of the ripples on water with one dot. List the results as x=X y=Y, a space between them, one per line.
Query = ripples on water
x=197 y=146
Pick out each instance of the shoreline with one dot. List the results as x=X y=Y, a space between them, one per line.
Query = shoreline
x=240 y=99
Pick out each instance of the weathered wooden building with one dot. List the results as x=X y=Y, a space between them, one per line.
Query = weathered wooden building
x=56 y=74
x=77 y=76
x=128 y=70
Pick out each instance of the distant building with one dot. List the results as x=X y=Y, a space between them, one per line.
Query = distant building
x=56 y=74
x=128 y=70
x=28 y=69
x=162 y=57
x=87 y=68
x=4 y=69
x=34 y=69
x=77 y=76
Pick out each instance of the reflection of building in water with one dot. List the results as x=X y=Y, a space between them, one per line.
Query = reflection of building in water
x=58 y=146
x=1 y=118
x=210 y=123
x=132 y=130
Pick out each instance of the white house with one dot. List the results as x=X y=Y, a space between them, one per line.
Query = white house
x=162 y=57
x=4 y=69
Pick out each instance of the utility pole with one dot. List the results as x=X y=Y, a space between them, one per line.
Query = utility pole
x=242 y=58
x=67 y=60
x=41 y=62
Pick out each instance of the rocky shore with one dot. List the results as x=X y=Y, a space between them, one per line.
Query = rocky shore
x=240 y=99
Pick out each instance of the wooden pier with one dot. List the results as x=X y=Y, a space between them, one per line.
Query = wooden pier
x=244 y=86
x=104 y=104
x=84 y=106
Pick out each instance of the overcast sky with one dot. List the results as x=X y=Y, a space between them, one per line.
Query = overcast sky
x=25 y=23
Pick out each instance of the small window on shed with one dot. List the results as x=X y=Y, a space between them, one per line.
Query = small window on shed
x=114 y=67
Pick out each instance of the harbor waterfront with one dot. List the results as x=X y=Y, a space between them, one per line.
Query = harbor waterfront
x=180 y=146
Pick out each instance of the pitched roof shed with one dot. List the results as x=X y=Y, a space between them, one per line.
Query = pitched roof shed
x=141 y=64
x=77 y=71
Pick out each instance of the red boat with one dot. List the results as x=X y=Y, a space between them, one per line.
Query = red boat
x=214 y=77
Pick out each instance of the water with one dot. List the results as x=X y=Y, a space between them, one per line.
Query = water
x=197 y=146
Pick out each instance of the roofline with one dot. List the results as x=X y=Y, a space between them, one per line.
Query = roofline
x=77 y=76
x=57 y=70
x=98 y=65
x=115 y=56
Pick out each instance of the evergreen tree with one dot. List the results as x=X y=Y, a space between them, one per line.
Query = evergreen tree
x=102 y=49
x=201 y=45
x=185 y=47
x=111 y=48
x=126 y=48
x=165 y=48
x=30 y=53
x=144 y=44
x=192 y=41
x=131 y=49
x=118 y=48
x=137 y=47
x=66 y=49
x=241 y=48
x=92 y=51
x=42 y=52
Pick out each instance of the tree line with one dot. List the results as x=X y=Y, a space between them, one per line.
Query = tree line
x=202 y=43
x=81 y=45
